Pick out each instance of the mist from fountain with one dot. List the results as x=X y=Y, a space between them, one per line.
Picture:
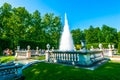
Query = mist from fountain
x=66 y=42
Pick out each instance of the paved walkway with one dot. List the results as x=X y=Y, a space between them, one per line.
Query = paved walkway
x=115 y=58
x=28 y=62
x=24 y=61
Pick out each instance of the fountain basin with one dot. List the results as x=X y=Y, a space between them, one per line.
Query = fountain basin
x=87 y=58
x=10 y=71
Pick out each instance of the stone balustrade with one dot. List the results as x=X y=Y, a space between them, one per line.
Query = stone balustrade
x=23 y=54
x=26 y=54
x=10 y=71
x=75 y=58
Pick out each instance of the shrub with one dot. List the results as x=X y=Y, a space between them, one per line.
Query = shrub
x=77 y=46
x=95 y=45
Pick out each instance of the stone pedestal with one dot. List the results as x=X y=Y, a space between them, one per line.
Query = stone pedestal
x=110 y=52
x=18 y=48
x=37 y=51
x=28 y=54
x=16 y=54
x=47 y=56
x=100 y=47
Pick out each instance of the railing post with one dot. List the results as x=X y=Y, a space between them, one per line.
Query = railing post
x=47 y=56
x=16 y=53
x=37 y=51
x=110 y=51
x=28 y=52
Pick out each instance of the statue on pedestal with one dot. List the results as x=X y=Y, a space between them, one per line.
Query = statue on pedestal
x=100 y=46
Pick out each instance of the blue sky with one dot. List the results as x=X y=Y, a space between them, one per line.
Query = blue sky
x=81 y=13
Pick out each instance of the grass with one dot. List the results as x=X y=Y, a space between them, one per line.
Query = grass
x=47 y=71
x=39 y=57
x=5 y=59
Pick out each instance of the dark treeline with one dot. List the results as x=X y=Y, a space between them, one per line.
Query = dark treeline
x=105 y=34
x=19 y=26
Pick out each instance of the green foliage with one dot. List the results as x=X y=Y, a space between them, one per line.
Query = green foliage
x=119 y=47
x=52 y=31
x=5 y=59
x=78 y=46
x=119 y=36
x=77 y=35
x=105 y=45
x=109 y=34
x=104 y=35
x=96 y=45
x=1 y=51
x=33 y=44
x=18 y=23
x=39 y=57
x=92 y=35
x=108 y=71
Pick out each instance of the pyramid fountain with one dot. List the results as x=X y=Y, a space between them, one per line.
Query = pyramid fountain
x=67 y=55
x=66 y=42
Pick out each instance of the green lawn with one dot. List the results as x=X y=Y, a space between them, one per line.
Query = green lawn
x=47 y=71
x=39 y=57
x=4 y=59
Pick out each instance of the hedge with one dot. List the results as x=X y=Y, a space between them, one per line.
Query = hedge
x=96 y=45
x=33 y=44
x=5 y=43
x=119 y=47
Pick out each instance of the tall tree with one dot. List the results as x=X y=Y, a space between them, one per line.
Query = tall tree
x=96 y=34
x=77 y=35
x=52 y=29
x=90 y=35
x=5 y=14
x=109 y=34
x=119 y=36
x=18 y=23
x=15 y=23
x=34 y=31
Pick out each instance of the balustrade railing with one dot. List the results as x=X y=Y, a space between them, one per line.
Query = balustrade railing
x=77 y=58
x=10 y=71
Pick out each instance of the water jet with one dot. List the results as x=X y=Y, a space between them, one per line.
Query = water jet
x=66 y=41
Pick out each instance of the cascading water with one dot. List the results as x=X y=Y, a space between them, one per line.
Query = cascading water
x=66 y=42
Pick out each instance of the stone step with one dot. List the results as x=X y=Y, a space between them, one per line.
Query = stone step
x=115 y=56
